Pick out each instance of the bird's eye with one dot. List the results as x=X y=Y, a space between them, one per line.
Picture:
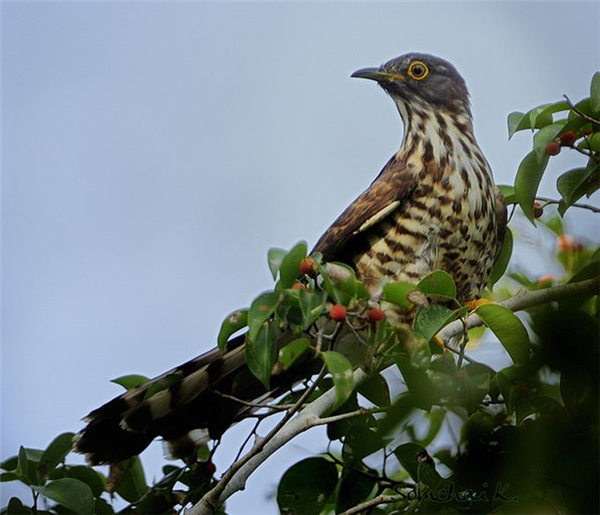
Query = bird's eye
x=418 y=70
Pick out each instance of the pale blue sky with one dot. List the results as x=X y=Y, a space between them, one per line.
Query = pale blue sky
x=153 y=152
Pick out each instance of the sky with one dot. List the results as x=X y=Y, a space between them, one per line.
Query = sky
x=153 y=152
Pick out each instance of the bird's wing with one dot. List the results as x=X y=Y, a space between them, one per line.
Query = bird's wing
x=385 y=194
x=501 y=219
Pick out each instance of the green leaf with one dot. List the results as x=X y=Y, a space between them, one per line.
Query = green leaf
x=436 y=418
x=16 y=507
x=359 y=443
x=508 y=329
x=537 y=117
x=101 y=507
x=396 y=292
x=290 y=265
x=130 y=381
x=429 y=320
x=89 y=476
x=306 y=486
x=584 y=106
x=407 y=455
x=508 y=192
x=132 y=483
x=589 y=271
x=540 y=116
x=260 y=311
x=592 y=142
x=23 y=466
x=261 y=353
x=376 y=390
x=561 y=105
x=354 y=488
x=341 y=372
x=10 y=463
x=70 y=493
x=6 y=477
x=420 y=386
x=514 y=121
x=569 y=185
x=232 y=323
x=55 y=453
x=554 y=224
x=503 y=259
x=294 y=350
x=275 y=257
x=545 y=136
x=340 y=283
x=438 y=283
x=595 y=92
x=312 y=304
x=527 y=181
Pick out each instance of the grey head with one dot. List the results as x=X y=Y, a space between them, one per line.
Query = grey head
x=421 y=78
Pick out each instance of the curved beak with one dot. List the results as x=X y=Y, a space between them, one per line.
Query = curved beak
x=377 y=74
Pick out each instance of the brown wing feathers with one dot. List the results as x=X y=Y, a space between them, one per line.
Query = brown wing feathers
x=385 y=194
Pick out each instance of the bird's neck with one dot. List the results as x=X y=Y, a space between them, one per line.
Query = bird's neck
x=437 y=137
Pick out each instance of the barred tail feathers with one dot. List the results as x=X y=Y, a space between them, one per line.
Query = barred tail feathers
x=182 y=403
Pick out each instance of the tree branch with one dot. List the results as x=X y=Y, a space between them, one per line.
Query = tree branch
x=380 y=499
x=589 y=207
x=310 y=416
x=525 y=299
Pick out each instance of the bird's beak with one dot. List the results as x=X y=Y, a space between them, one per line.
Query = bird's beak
x=377 y=74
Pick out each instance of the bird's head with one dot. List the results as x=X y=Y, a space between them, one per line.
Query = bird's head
x=421 y=78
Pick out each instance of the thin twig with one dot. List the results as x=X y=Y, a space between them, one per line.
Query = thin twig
x=355 y=333
x=258 y=405
x=582 y=206
x=246 y=440
x=580 y=113
x=210 y=501
x=350 y=414
x=380 y=499
x=461 y=353
x=587 y=153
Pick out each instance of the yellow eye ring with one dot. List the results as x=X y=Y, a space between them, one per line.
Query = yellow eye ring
x=418 y=70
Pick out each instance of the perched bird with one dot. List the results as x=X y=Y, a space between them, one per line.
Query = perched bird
x=433 y=206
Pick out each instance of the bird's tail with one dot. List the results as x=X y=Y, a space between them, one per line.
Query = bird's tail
x=187 y=406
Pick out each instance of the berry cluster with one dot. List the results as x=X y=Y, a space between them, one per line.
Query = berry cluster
x=338 y=313
x=566 y=139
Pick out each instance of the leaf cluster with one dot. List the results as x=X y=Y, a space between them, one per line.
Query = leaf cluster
x=556 y=125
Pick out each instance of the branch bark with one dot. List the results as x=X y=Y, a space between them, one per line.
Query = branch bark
x=525 y=299
x=311 y=414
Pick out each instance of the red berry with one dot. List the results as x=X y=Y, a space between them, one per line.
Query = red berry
x=546 y=279
x=588 y=132
x=564 y=243
x=538 y=210
x=568 y=138
x=567 y=244
x=209 y=466
x=308 y=266
x=375 y=315
x=553 y=148
x=298 y=286
x=338 y=313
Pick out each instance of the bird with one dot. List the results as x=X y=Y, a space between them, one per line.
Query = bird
x=433 y=206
